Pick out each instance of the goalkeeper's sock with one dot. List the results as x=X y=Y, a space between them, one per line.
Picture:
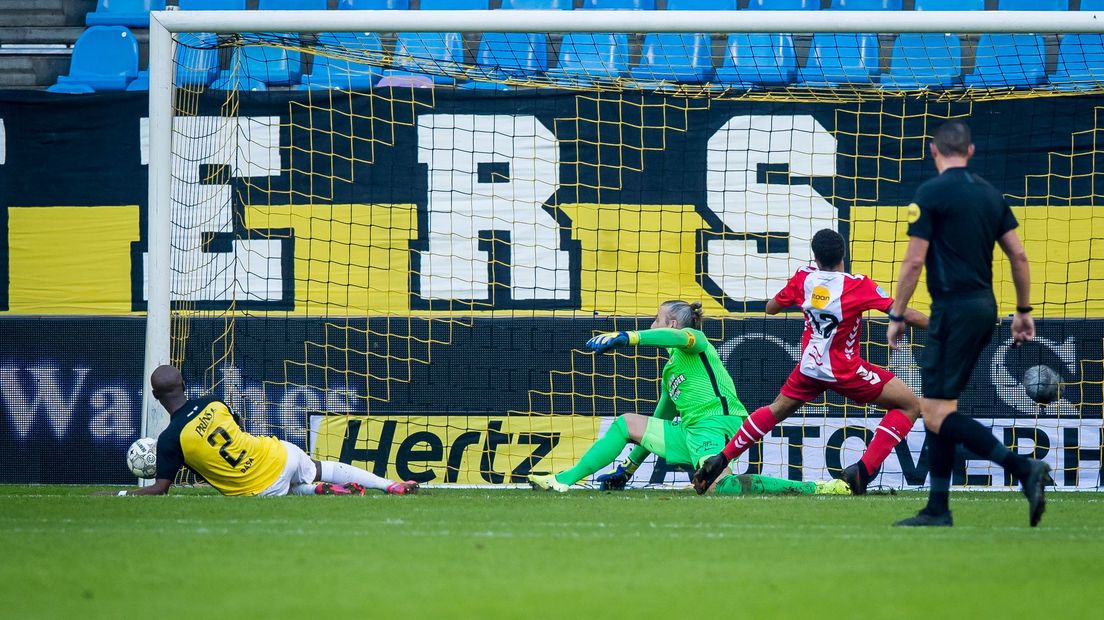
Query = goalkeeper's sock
x=759 y=423
x=891 y=431
x=941 y=453
x=980 y=440
x=340 y=473
x=602 y=453
x=754 y=484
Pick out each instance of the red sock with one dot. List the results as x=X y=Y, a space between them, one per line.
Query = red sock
x=759 y=423
x=890 y=432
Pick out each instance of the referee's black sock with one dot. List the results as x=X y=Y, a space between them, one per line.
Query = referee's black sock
x=980 y=440
x=940 y=462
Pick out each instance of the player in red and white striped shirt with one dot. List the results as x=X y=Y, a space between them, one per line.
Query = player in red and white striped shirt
x=833 y=302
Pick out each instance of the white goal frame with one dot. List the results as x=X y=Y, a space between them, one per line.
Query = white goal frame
x=163 y=24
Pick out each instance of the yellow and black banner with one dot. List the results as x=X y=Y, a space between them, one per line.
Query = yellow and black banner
x=475 y=202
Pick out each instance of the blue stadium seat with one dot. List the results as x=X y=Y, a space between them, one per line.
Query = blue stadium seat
x=504 y=55
x=1092 y=5
x=140 y=83
x=866 y=5
x=197 y=59
x=1008 y=60
x=631 y=5
x=950 y=5
x=427 y=54
x=924 y=61
x=1080 y=62
x=454 y=5
x=272 y=66
x=329 y=73
x=588 y=56
x=236 y=81
x=675 y=57
x=841 y=59
x=292 y=5
x=758 y=59
x=784 y=5
x=212 y=5
x=104 y=58
x=1033 y=5
x=123 y=12
x=376 y=5
x=702 y=5
x=562 y=5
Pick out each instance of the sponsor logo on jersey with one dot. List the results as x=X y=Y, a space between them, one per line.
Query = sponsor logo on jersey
x=204 y=423
x=882 y=292
x=821 y=297
x=673 y=387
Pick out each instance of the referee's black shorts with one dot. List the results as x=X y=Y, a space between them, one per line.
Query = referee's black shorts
x=959 y=329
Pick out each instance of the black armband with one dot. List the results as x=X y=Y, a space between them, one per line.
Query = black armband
x=1024 y=309
x=896 y=318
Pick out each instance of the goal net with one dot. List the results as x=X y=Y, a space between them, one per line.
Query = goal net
x=386 y=236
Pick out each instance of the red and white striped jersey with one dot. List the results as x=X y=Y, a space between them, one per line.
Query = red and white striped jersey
x=833 y=303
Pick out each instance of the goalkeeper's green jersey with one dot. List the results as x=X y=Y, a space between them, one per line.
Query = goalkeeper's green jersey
x=694 y=378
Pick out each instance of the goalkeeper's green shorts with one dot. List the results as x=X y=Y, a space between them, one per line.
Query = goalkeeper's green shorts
x=690 y=444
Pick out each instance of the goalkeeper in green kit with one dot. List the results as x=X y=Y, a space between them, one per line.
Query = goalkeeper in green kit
x=698 y=389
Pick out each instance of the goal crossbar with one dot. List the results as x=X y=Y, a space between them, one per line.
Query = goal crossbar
x=629 y=21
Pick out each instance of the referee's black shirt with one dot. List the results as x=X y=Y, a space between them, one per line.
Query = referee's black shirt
x=962 y=216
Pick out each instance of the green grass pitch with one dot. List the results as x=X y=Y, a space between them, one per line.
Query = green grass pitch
x=519 y=554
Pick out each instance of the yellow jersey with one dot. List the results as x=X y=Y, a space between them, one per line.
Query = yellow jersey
x=207 y=436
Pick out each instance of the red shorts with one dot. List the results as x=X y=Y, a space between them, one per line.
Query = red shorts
x=863 y=386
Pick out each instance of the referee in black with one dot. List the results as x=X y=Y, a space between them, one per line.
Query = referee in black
x=954 y=222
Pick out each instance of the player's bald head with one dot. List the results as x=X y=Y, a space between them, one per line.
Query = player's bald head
x=166 y=380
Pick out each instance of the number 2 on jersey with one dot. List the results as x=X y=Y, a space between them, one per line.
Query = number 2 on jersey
x=221 y=433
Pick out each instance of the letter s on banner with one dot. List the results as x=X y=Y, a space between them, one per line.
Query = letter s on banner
x=746 y=265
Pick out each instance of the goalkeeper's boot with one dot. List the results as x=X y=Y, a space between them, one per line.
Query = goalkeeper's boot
x=1033 y=488
x=857 y=478
x=709 y=471
x=408 y=487
x=547 y=482
x=835 y=486
x=615 y=480
x=927 y=519
x=332 y=488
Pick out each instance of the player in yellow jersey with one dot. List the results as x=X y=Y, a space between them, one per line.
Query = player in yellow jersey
x=207 y=436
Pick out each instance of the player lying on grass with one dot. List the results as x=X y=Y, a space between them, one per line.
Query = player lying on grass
x=696 y=387
x=833 y=302
x=207 y=436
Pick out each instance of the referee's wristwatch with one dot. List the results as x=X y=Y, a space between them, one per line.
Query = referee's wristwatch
x=896 y=318
x=1024 y=309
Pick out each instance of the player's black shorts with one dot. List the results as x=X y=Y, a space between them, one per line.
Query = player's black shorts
x=959 y=330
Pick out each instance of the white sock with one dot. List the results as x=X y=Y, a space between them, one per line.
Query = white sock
x=340 y=473
x=302 y=489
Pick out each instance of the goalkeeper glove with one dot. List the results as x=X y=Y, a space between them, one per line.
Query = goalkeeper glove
x=710 y=470
x=617 y=479
x=604 y=342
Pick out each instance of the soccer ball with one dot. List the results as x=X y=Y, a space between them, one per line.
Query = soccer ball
x=1041 y=383
x=141 y=458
